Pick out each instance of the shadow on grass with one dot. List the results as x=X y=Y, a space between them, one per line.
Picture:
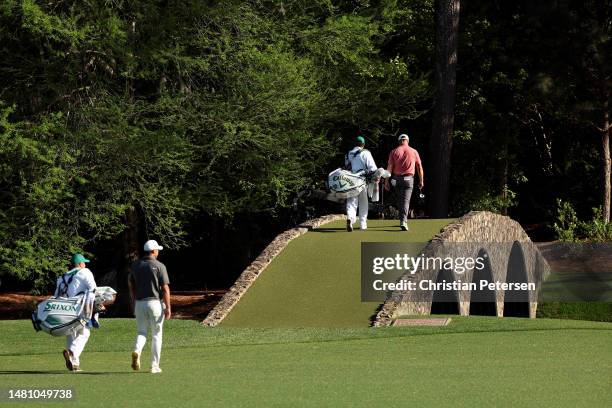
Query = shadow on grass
x=377 y=229
x=329 y=230
x=66 y=372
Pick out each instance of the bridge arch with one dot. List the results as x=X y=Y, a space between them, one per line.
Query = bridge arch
x=516 y=302
x=444 y=302
x=483 y=301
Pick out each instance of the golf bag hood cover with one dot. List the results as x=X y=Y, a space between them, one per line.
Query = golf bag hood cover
x=104 y=294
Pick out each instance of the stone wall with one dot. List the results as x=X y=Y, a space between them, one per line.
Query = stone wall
x=478 y=232
x=252 y=272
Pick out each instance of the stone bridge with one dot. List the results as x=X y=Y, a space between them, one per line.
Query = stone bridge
x=509 y=257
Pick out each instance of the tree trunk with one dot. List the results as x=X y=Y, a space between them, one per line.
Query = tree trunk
x=130 y=242
x=605 y=140
x=504 y=183
x=447 y=30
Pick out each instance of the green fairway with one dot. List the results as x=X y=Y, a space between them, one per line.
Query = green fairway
x=475 y=361
x=315 y=281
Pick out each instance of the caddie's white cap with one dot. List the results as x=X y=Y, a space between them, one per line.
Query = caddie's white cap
x=403 y=136
x=152 y=245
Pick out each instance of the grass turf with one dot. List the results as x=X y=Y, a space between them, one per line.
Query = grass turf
x=597 y=311
x=475 y=361
x=315 y=281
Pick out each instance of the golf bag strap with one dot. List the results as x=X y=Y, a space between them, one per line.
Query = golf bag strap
x=347 y=161
x=63 y=292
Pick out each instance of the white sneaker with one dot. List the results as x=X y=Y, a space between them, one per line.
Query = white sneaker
x=156 y=370
x=363 y=226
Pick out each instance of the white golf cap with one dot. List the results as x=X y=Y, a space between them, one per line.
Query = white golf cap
x=403 y=136
x=152 y=245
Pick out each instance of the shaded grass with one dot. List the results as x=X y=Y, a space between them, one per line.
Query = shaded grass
x=595 y=311
x=475 y=361
x=577 y=287
x=315 y=281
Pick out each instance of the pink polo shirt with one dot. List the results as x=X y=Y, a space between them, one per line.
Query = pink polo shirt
x=403 y=160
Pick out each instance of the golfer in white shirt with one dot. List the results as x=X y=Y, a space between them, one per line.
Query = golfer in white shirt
x=357 y=160
x=78 y=280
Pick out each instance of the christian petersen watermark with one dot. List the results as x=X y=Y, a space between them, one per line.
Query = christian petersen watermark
x=478 y=272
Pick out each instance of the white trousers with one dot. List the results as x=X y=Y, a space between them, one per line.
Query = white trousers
x=361 y=202
x=76 y=341
x=149 y=314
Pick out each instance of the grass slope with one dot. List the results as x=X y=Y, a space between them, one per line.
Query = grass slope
x=315 y=281
x=475 y=361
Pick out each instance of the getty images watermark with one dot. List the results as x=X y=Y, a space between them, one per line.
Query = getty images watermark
x=472 y=271
x=459 y=265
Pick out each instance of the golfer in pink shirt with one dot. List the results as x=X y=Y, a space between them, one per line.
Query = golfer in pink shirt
x=403 y=162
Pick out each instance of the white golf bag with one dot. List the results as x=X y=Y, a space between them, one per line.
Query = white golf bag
x=59 y=316
x=344 y=184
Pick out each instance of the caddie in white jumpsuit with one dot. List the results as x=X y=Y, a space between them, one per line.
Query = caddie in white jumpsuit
x=150 y=290
x=79 y=280
x=356 y=160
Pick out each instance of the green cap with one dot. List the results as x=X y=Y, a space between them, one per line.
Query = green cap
x=78 y=258
x=360 y=139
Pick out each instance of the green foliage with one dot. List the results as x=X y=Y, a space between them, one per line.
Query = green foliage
x=36 y=173
x=360 y=87
x=567 y=223
x=494 y=203
x=597 y=229
x=569 y=228
x=65 y=189
x=178 y=109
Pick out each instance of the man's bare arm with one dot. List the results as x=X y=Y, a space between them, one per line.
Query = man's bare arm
x=421 y=174
x=390 y=170
x=166 y=299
